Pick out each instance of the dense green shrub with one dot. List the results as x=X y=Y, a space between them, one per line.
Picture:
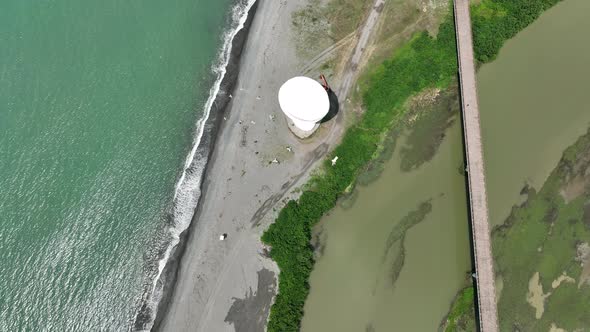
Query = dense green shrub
x=422 y=63
x=495 y=21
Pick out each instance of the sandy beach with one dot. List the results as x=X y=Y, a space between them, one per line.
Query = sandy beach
x=229 y=285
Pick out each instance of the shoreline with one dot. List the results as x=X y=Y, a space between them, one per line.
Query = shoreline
x=203 y=152
x=230 y=285
x=220 y=107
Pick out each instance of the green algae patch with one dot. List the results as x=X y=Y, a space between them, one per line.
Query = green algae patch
x=542 y=255
x=430 y=115
x=461 y=317
x=540 y=241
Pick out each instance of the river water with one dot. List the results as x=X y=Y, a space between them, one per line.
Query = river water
x=99 y=102
x=353 y=286
x=534 y=102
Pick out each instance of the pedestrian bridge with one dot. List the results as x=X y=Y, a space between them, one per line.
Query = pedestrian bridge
x=482 y=249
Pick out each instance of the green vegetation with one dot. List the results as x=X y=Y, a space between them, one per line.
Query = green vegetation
x=424 y=62
x=495 y=21
x=461 y=317
x=385 y=151
x=543 y=235
x=547 y=235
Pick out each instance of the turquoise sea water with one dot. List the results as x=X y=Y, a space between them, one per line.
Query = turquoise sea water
x=99 y=102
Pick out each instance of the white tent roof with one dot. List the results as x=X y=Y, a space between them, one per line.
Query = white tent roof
x=304 y=100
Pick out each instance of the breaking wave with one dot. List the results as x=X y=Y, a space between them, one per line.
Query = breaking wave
x=187 y=189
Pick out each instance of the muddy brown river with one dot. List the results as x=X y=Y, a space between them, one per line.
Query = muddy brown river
x=352 y=287
x=395 y=259
x=534 y=102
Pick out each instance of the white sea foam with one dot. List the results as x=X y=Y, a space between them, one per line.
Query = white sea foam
x=187 y=189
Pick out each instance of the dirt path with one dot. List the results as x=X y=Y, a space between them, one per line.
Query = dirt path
x=325 y=54
x=351 y=70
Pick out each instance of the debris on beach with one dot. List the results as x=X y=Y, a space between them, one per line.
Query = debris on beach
x=258 y=98
x=230 y=96
x=222 y=237
x=275 y=161
x=240 y=122
x=334 y=160
x=224 y=118
x=252 y=122
x=289 y=149
x=272 y=117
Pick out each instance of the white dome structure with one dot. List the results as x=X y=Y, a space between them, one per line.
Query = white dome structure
x=304 y=101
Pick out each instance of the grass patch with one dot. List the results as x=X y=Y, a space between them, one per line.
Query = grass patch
x=488 y=10
x=461 y=317
x=423 y=62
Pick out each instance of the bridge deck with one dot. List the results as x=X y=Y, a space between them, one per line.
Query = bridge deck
x=484 y=265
